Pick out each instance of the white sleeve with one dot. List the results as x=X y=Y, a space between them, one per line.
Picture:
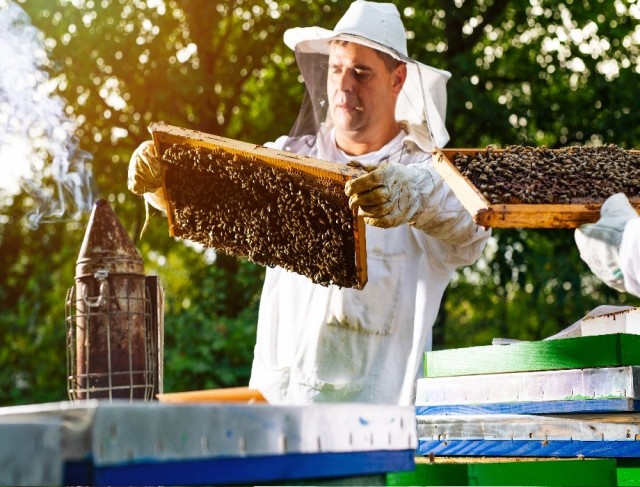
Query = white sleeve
x=629 y=257
x=443 y=216
x=450 y=228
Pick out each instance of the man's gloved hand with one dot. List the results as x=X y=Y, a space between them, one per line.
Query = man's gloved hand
x=599 y=242
x=145 y=173
x=390 y=194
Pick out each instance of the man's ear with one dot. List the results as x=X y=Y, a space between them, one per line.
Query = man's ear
x=399 y=77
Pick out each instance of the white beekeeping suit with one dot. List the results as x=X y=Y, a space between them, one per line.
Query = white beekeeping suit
x=325 y=343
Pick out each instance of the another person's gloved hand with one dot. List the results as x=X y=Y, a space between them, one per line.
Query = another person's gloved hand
x=599 y=242
x=145 y=176
x=145 y=173
x=390 y=194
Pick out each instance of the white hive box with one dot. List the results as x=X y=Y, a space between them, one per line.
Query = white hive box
x=141 y=443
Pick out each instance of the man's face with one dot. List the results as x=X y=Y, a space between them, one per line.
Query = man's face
x=362 y=90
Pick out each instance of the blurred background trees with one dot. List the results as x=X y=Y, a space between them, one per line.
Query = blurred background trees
x=549 y=73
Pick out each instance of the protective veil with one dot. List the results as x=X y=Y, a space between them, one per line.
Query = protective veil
x=318 y=343
x=423 y=101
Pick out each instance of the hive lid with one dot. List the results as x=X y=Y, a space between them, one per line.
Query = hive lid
x=270 y=206
x=488 y=213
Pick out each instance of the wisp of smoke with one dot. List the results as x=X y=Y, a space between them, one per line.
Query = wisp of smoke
x=38 y=149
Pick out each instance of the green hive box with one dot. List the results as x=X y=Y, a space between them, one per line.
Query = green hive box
x=566 y=353
x=591 y=472
x=628 y=472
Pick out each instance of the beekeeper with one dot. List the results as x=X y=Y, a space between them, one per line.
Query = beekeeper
x=611 y=246
x=369 y=104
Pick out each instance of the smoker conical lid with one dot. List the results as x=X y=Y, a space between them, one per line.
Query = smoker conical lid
x=107 y=246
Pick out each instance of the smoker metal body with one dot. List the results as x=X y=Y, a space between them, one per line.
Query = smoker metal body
x=113 y=317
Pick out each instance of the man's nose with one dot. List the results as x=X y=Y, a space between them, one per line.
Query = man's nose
x=346 y=81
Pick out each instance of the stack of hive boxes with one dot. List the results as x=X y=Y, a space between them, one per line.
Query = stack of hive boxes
x=552 y=400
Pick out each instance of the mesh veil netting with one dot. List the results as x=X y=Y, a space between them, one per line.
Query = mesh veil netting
x=422 y=102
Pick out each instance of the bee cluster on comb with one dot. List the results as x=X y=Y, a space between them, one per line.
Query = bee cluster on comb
x=246 y=205
x=531 y=175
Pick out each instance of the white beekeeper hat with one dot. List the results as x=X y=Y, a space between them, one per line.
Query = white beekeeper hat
x=423 y=100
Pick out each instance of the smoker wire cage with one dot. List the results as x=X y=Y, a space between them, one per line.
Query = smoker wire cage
x=107 y=318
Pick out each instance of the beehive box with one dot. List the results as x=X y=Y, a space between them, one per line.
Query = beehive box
x=273 y=207
x=527 y=187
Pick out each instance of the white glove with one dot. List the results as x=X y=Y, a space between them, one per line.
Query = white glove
x=599 y=242
x=145 y=172
x=145 y=177
x=390 y=194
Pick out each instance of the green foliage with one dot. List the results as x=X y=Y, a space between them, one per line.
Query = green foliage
x=38 y=265
x=543 y=73
x=538 y=74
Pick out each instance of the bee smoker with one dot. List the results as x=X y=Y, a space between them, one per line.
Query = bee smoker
x=113 y=317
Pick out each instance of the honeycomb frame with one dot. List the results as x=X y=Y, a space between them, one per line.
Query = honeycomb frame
x=489 y=213
x=326 y=243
